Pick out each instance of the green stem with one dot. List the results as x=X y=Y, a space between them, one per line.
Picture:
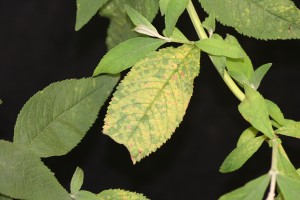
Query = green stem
x=274 y=170
x=202 y=35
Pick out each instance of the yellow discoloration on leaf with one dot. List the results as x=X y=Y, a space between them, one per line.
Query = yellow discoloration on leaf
x=152 y=99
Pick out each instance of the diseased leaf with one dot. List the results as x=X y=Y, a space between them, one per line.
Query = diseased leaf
x=126 y=54
x=264 y=19
x=247 y=135
x=120 y=28
x=152 y=99
x=118 y=194
x=285 y=167
x=86 y=9
x=219 y=48
x=254 y=110
x=24 y=176
x=86 y=195
x=253 y=190
x=174 y=9
x=55 y=119
x=241 y=154
x=163 y=5
x=290 y=128
x=259 y=74
x=289 y=187
x=275 y=112
x=77 y=180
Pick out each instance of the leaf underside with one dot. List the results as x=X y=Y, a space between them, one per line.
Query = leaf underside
x=152 y=99
x=117 y=194
x=55 y=119
x=264 y=19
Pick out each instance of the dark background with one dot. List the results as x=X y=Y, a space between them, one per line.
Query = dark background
x=38 y=46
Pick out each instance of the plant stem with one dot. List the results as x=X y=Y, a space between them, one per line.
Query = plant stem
x=202 y=35
x=273 y=171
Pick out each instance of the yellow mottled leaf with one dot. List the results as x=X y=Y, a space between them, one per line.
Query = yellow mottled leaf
x=152 y=99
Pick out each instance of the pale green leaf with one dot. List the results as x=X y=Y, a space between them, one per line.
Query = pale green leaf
x=152 y=99
x=239 y=156
x=178 y=36
x=86 y=195
x=264 y=19
x=77 y=180
x=120 y=28
x=259 y=74
x=253 y=190
x=285 y=167
x=290 y=128
x=298 y=171
x=210 y=23
x=219 y=48
x=117 y=194
x=275 y=112
x=289 y=187
x=55 y=119
x=174 y=9
x=86 y=9
x=247 y=135
x=163 y=5
x=126 y=54
x=254 y=110
x=24 y=176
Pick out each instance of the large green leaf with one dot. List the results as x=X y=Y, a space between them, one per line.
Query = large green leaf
x=24 y=176
x=291 y=128
x=289 y=187
x=126 y=54
x=241 y=154
x=86 y=9
x=116 y=194
x=254 y=109
x=152 y=99
x=254 y=190
x=264 y=19
x=55 y=119
x=120 y=28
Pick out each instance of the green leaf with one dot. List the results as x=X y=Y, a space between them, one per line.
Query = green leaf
x=77 y=180
x=178 y=36
x=219 y=48
x=120 y=28
x=3 y=197
x=24 y=176
x=117 y=194
x=126 y=54
x=86 y=195
x=254 y=110
x=152 y=99
x=253 y=190
x=290 y=128
x=264 y=19
x=298 y=171
x=242 y=66
x=174 y=9
x=238 y=157
x=218 y=61
x=163 y=5
x=259 y=74
x=240 y=78
x=275 y=112
x=247 y=135
x=285 y=167
x=210 y=23
x=289 y=187
x=55 y=119
x=86 y=9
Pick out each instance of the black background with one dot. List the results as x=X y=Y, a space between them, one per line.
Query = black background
x=38 y=46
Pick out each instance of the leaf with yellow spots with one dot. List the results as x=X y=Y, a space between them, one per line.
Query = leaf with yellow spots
x=117 y=194
x=152 y=99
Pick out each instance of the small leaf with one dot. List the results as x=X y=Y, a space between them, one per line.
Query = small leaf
x=275 y=112
x=285 y=167
x=174 y=9
x=247 y=135
x=55 y=119
x=163 y=5
x=77 y=180
x=218 y=61
x=126 y=54
x=178 y=36
x=86 y=9
x=253 y=190
x=151 y=101
x=146 y=31
x=117 y=194
x=86 y=195
x=24 y=176
x=298 y=171
x=210 y=23
x=241 y=154
x=259 y=74
x=289 y=187
x=290 y=128
x=263 y=19
x=219 y=48
x=254 y=110
x=240 y=78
